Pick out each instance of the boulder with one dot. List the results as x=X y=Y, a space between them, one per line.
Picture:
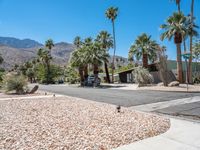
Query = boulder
x=35 y=88
x=160 y=84
x=173 y=83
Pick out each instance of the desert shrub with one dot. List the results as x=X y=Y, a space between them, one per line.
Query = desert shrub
x=72 y=76
x=142 y=76
x=196 y=78
x=2 y=71
x=15 y=82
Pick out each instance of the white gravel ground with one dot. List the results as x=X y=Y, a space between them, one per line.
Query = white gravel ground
x=67 y=123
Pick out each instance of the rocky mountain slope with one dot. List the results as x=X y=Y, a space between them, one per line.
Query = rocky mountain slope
x=16 y=51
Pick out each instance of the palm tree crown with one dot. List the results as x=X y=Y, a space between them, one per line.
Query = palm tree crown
x=49 y=44
x=111 y=13
x=174 y=27
x=77 y=41
x=144 y=48
x=105 y=39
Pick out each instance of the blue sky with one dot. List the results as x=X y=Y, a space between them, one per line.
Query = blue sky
x=62 y=20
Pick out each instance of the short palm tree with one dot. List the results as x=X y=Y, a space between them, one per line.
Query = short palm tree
x=111 y=14
x=106 y=42
x=76 y=61
x=175 y=28
x=96 y=56
x=143 y=48
x=49 y=44
x=45 y=57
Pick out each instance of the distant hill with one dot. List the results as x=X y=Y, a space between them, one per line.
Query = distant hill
x=17 y=43
x=16 y=51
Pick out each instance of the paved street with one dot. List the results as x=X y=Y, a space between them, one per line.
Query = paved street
x=163 y=102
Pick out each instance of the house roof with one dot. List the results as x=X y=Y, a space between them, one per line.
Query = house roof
x=125 y=71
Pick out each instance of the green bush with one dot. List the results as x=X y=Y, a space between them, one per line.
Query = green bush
x=196 y=78
x=42 y=74
x=72 y=76
x=142 y=76
x=15 y=82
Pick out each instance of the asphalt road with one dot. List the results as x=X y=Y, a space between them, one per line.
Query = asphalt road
x=125 y=98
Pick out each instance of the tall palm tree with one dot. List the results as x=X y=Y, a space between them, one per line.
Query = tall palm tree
x=191 y=40
x=175 y=28
x=144 y=48
x=106 y=41
x=111 y=14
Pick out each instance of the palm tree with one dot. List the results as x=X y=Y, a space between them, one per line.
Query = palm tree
x=111 y=14
x=76 y=60
x=49 y=44
x=175 y=28
x=96 y=56
x=191 y=39
x=45 y=58
x=106 y=41
x=144 y=48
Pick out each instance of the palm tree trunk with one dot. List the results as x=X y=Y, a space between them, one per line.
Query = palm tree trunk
x=145 y=60
x=113 y=62
x=179 y=8
x=48 y=72
x=81 y=75
x=185 y=50
x=96 y=72
x=179 y=63
x=107 y=72
x=85 y=72
x=191 y=38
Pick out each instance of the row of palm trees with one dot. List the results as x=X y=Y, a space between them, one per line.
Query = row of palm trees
x=180 y=28
x=91 y=52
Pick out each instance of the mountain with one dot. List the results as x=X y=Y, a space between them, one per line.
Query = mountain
x=17 y=43
x=16 y=51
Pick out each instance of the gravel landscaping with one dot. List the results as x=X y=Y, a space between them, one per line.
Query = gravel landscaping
x=65 y=123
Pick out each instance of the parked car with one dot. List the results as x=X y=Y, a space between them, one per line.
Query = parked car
x=91 y=81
